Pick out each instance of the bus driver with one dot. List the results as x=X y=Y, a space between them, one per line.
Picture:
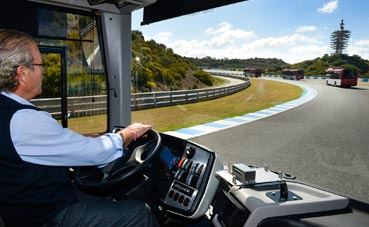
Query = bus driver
x=36 y=151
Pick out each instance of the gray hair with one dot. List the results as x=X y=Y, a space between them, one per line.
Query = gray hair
x=15 y=50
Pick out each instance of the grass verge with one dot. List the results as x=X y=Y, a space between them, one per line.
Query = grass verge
x=260 y=95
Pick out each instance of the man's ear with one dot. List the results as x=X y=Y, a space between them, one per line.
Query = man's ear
x=22 y=72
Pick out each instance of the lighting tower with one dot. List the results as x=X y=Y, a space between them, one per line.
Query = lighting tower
x=339 y=39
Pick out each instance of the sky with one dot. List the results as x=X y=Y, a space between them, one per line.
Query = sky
x=291 y=30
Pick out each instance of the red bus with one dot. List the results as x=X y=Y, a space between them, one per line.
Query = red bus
x=341 y=77
x=293 y=74
x=252 y=72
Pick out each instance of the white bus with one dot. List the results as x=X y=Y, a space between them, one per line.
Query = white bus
x=341 y=77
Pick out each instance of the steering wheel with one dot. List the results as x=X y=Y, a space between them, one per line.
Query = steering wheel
x=136 y=157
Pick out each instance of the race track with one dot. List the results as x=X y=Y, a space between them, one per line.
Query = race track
x=324 y=142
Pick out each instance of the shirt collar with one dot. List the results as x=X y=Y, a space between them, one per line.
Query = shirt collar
x=16 y=98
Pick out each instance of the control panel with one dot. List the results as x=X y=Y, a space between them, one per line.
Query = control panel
x=190 y=180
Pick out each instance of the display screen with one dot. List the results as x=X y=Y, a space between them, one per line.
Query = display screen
x=169 y=159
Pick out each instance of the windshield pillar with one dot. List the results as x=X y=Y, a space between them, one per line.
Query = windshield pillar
x=116 y=30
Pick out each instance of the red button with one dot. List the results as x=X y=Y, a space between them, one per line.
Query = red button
x=186 y=201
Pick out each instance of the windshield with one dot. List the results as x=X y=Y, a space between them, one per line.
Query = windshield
x=309 y=140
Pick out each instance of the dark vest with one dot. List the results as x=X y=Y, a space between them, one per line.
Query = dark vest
x=30 y=194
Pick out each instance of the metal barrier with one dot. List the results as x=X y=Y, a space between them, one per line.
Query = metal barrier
x=160 y=99
x=97 y=104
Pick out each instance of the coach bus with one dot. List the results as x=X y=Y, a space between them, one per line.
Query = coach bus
x=341 y=77
x=293 y=74
x=252 y=72
x=87 y=55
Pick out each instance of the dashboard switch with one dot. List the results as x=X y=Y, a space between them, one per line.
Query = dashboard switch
x=190 y=152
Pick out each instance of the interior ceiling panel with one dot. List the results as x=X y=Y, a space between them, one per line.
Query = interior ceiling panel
x=166 y=9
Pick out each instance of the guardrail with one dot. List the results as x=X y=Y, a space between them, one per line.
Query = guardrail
x=77 y=106
x=97 y=104
x=160 y=99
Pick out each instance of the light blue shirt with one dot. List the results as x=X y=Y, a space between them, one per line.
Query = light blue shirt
x=40 y=139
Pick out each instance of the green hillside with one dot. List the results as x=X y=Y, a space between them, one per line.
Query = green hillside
x=275 y=66
x=319 y=65
x=159 y=68
x=237 y=64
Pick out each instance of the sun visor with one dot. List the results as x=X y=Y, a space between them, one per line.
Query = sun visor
x=166 y=9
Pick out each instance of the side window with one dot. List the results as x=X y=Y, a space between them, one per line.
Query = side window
x=74 y=83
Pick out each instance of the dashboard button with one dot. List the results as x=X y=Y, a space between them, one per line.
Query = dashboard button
x=186 y=202
x=180 y=163
x=188 y=182
x=180 y=199
x=171 y=193
x=199 y=169
x=183 y=176
x=194 y=181
x=188 y=165
x=190 y=152
x=194 y=167
x=176 y=196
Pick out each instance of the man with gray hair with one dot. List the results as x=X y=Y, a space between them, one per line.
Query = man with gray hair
x=36 y=151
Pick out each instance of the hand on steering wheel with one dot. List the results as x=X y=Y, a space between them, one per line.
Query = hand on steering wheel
x=137 y=156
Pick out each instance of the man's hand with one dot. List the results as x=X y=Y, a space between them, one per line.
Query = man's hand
x=132 y=132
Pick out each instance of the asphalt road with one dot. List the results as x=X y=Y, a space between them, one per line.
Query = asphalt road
x=324 y=142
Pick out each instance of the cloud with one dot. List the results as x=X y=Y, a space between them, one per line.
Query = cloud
x=163 y=37
x=317 y=50
x=359 y=47
x=224 y=35
x=364 y=43
x=328 y=7
x=306 y=29
x=283 y=41
x=225 y=41
x=291 y=48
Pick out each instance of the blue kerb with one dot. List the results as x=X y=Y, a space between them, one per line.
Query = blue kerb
x=189 y=131
x=282 y=106
x=215 y=125
x=251 y=116
x=235 y=120
x=262 y=112
x=276 y=109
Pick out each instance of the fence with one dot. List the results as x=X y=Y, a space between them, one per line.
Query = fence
x=97 y=104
